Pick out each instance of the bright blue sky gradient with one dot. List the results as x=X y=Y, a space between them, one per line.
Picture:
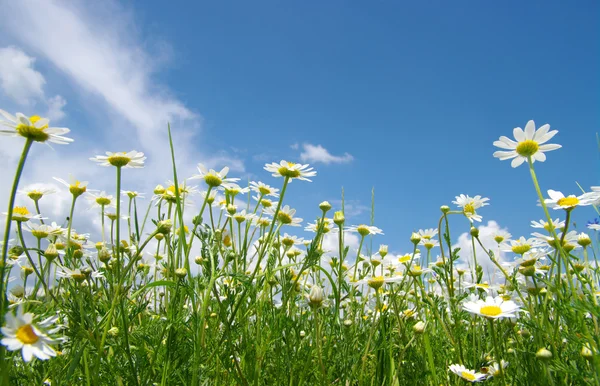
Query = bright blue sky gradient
x=415 y=92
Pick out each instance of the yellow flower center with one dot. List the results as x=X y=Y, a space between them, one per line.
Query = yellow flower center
x=266 y=203
x=289 y=171
x=284 y=218
x=39 y=234
x=375 y=282
x=119 y=159
x=467 y=376
x=568 y=202
x=35 y=195
x=469 y=208
x=213 y=180
x=490 y=310
x=21 y=210
x=521 y=249
x=363 y=230
x=103 y=201
x=77 y=189
x=404 y=259
x=26 y=334
x=32 y=132
x=263 y=190
x=287 y=241
x=527 y=148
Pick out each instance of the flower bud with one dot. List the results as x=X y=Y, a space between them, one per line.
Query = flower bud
x=51 y=252
x=419 y=327
x=159 y=189
x=199 y=260
x=339 y=218
x=445 y=209
x=104 y=255
x=415 y=238
x=474 y=232
x=114 y=331
x=383 y=250
x=181 y=273
x=543 y=354
x=586 y=353
x=164 y=227
x=315 y=299
x=325 y=206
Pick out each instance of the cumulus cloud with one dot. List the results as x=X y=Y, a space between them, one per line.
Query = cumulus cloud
x=486 y=235
x=18 y=79
x=318 y=153
x=108 y=65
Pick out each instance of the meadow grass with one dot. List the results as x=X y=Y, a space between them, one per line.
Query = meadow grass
x=219 y=293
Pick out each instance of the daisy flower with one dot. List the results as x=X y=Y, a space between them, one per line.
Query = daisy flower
x=327 y=225
x=288 y=240
x=234 y=189
x=132 y=194
x=36 y=193
x=22 y=214
x=264 y=189
x=132 y=159
x=492 y=308
x=213 y=178
x=470 y=204
x=520 y=246
x=466 y=374
x=429 y=243
x=427 y=233
x=78 y=274
x=291 y=170
x=365 y=230
x=34 y=128
x=41 y=231
x=286 y=216
x=501 y=236
x=76 y=187
x=100 y=200
x=569 y=241
x=542 y=224
x=558 y=200
x=242 y=216
x=377 y=282
x=530 y=143
x=20 y=334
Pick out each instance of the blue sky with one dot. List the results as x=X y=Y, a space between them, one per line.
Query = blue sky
x=408 y=96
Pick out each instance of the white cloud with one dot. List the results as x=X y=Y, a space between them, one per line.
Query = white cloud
x=318 y=153
x=18 y=79
x=55 y=108
x=295 y=146
x=94 y=46
x=486 y=235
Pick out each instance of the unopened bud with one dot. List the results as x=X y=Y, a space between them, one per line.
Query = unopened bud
x=445 y=209
x=51 y=252
x=339 y=218
x=419 y=327
x=325 y=206
x=181 y=272
x=543 y=354
x=474 y=232
x=315 y=299
x=415 y=238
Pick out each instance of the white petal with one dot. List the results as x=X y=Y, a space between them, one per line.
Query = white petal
x=41 y=123
x=8 y=116
x=517 y=162
x=519 y=134
x=530 y=130
x=549 y=147
x=539 y=156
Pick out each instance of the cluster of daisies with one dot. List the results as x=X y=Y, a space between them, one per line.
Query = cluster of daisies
x=34 y=339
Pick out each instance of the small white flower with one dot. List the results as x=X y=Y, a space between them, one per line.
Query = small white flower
x=470 y=205
x=492 y=308
x=557 y=200
x=466 y=374
x=20 y=334
x=213 y=178
x=34 y=128
x=530 y=143
x=291 y=170
x=132 y=159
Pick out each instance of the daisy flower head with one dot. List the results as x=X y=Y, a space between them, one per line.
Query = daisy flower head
x=520 y=246
x=492 y=307
x=100 y=200
x=34 y=128
x=76 y=187
x=466 y=374
x=501 y=236
x=21 y=334
x=233 y=189
x=542 y=224
x=132 y=194
x=213 y=178
x=529 y=144
x=22 y=214
x=470 y=205
x=36 y=193
x=429 y=243
x=365 y=230
x=286 y=216
x=263 y=189
x=132 y=159
x=41 y=231
x=558 y=200
x=428 y=233
x=291 y=170
x=327 y=225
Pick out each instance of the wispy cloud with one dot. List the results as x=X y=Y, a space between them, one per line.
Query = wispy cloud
x=317 y=153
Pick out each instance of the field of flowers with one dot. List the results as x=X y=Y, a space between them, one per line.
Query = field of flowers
x=256 y=305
